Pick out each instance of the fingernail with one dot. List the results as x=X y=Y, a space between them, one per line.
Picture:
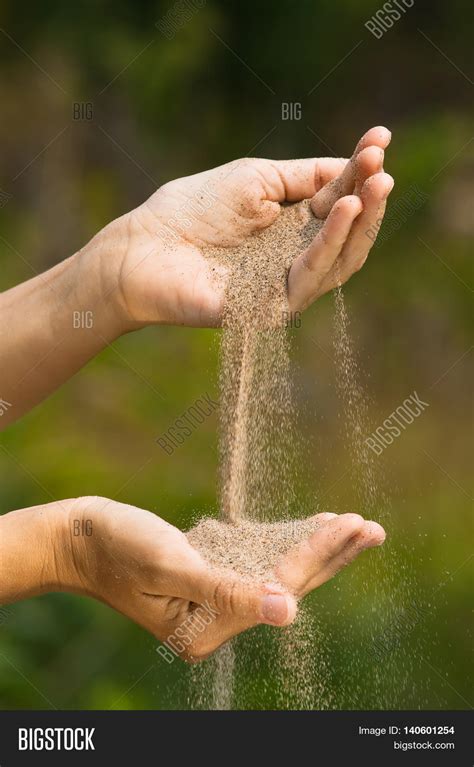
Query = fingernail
x=274 y=609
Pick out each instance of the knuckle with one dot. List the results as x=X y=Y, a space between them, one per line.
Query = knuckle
x=356 y=522
x=324 y=237
x=225 y=596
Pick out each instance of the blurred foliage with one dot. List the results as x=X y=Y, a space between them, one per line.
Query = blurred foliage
x=164 y=108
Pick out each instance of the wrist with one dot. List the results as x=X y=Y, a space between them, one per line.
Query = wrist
x=81 y=540
x=95 y=301
x=34 y=552
x=76 y=532
x=128 y=246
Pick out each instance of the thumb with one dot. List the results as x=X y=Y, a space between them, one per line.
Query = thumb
x=238 y=600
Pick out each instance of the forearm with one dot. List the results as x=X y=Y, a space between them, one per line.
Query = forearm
x=53 y=324
x=35 y=551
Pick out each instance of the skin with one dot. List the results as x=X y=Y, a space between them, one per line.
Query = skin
x=148 y=267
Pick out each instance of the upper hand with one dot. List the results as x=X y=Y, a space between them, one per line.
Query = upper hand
x=160 y=272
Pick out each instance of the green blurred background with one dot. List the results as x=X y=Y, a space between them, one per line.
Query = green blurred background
x=162 y=108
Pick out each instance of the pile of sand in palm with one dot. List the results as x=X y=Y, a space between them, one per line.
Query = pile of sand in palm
x=251 y=549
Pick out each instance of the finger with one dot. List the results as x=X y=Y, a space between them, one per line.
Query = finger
x=377 y=136
x=309 y=270
x=368 y=162
x=296 y=180
x=234 y=598
x=371 y=535
x=356 y=249
x=246 y=603
x=363 y=163
x=312 y=556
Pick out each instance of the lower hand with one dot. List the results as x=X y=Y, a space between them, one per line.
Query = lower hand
x=146 y=569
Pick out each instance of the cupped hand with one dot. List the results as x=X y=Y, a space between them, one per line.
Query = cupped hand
x=161 y=272
x=146 y=569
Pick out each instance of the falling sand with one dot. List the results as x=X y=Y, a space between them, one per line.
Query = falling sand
x=257 y=433
x=258 y=456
